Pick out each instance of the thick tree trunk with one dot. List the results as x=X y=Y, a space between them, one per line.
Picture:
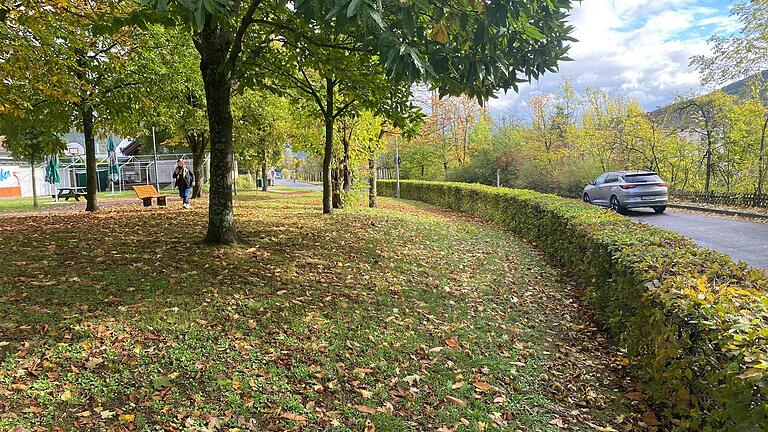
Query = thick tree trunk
x=372 y=182
x=328 y=151
x=265 y=181
x=218 y=88
x=91 y=176
x=35 y=204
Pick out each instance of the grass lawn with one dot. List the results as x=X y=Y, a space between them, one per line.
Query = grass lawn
x=48 y=203
x=403 y=318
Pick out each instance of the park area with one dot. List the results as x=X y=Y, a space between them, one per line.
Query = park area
x=398 y=318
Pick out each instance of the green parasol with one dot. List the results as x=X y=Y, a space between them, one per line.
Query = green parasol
x=52 y=170
x=114 y=169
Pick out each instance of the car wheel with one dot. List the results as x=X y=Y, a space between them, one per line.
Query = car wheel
x=659 y=209
x=586 y=199
x=616 y=205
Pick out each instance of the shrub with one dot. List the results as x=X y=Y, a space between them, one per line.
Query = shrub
x=694 y=323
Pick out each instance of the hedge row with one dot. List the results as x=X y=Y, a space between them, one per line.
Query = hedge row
x=695 y=325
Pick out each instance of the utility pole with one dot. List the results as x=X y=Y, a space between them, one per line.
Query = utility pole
x=154 y=152
x=498 y=177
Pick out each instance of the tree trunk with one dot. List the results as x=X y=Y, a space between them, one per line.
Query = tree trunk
x=328 y=151
x=347 y=172
x=35 y=204
x=218 y=88
x=372 y=182
x=91 y=176
x=760 y=159
x=198 y=143
x=336 y=201
x=708 y=174
x=265 y=182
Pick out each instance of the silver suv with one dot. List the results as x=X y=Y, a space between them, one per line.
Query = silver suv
x=622 y=190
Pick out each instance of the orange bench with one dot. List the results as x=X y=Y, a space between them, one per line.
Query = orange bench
x=147 y=192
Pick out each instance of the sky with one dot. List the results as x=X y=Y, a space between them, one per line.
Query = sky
x=635 y=48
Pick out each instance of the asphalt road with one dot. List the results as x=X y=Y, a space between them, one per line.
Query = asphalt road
x=297 y=184
x=741 y=240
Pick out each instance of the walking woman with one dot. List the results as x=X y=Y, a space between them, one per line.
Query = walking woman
x=184 y=181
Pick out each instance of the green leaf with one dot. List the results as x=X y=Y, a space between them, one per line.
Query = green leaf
x=354 y=5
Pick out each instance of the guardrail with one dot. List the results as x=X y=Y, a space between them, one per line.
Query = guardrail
x=727 y=199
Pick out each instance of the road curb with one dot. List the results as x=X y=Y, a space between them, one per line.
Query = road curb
x=719 y=211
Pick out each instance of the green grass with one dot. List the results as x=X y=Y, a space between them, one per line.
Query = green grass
x=405 y=318
x=45 y=201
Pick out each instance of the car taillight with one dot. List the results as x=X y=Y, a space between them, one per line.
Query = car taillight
x=662 y=184
x=628 y=186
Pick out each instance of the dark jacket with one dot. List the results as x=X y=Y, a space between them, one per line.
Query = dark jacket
x=184 y=177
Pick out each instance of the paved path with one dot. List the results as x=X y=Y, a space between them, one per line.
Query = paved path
x=298 y=184
x=741 y=240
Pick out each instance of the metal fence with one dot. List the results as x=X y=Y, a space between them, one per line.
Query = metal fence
x=133 y=170
x=728 y=199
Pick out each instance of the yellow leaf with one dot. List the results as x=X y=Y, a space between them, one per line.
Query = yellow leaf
x=67 y=395
x=439 y=33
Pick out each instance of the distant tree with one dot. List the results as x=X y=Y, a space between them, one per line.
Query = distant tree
x=706 y=117
x=742 y=54
x=26 y=140
x=263 y=125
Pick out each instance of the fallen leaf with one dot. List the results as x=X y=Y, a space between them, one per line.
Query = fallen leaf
x=293 y=416
x=482 y=386
x=452 y=342
x=456 y=401
x=366 y=409
x=364 y=393
x=558 y=422
x=649 y=418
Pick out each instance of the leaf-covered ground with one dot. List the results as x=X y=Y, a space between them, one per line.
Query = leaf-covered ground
x=403 y=318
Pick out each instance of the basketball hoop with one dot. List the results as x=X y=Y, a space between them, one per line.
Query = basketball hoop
x=75 y=149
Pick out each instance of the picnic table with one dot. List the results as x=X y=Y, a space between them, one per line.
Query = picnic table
x=70 y=192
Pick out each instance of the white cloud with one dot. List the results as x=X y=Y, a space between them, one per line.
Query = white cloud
x=636 y=48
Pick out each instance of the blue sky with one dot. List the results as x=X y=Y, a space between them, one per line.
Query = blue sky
x=634 y=48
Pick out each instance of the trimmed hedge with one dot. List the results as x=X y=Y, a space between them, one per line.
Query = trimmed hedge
x=694 y=323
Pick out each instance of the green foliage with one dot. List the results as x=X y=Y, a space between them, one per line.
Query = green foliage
x=263 y=126
x=695 y=325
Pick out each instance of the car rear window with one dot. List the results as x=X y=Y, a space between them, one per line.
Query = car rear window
x=642 y=178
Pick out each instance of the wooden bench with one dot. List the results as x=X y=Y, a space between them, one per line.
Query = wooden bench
x=146 y=192
x=70 y=192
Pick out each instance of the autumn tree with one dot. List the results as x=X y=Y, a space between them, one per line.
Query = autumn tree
x=30 y=139
x=262 y=129
x=705 y=117
x=61 y=49
x=463 y=48
x=743 y=54
x=739 y=55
